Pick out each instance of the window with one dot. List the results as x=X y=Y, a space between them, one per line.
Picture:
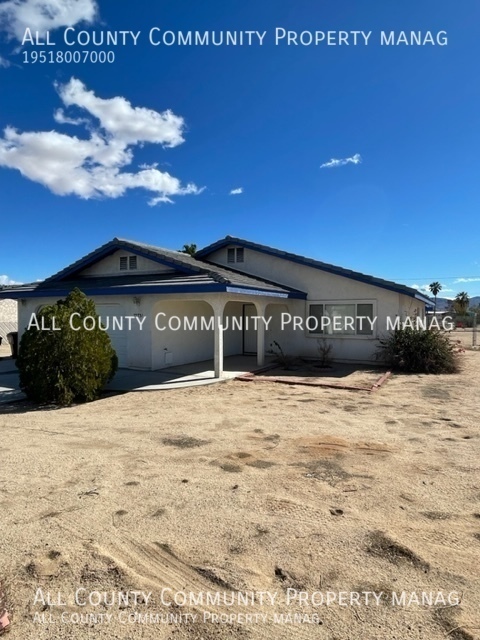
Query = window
x=235 y=254
x=341 y=319
x=128 y=263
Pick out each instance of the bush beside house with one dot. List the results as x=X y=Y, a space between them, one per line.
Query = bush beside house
x=66 y=365
x=415 y=350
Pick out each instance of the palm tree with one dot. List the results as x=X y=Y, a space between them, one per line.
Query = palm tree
x=461 y=303
x=191 y=249
x=435 y=289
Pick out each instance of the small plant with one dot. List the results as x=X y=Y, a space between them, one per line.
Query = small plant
x=325 y=351
x=419 y=351
x=66 y=365
x=284 y=360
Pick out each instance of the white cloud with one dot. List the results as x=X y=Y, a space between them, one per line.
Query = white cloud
x=4 y=63
x=356 y=159
x=122 y=121
x=60 y=117
x=425 y=288
x=44 y=15
x=467 y=280
x=4 y=280
x=92 y=167
x=236 y=192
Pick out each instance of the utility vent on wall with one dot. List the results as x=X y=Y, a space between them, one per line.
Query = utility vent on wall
x=168 y=357
x=128 y=263
x=235 y=255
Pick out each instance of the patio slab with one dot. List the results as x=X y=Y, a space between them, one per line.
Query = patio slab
x=179 y=377
x=187 y=375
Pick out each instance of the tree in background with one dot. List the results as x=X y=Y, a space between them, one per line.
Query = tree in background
x=66 y=365
x=191 y=249
x=461 y=303
x=435 y=289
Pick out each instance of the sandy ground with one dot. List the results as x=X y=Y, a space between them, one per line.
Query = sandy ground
x=247 y=487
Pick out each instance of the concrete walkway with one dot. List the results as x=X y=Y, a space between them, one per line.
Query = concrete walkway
x=188 y=375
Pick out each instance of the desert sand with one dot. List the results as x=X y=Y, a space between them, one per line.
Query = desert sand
x=246 y=487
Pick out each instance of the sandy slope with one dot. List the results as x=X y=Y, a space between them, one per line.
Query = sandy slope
x=248 y=486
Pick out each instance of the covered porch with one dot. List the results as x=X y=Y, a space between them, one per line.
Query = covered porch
x=219 y=330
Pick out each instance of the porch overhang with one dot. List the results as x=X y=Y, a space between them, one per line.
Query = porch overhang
x=64 y=288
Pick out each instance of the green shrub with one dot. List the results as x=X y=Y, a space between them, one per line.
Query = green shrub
x=417 y=350
x=65 y=366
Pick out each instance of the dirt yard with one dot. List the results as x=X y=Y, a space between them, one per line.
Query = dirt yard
x=246 y=487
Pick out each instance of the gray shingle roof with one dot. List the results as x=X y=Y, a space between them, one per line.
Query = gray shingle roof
x=188 y=273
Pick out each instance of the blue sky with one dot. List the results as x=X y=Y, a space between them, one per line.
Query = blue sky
x=257 y=119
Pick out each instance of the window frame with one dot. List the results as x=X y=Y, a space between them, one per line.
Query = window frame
x=343 y=336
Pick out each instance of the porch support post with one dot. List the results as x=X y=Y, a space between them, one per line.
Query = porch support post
x=218 y=339
x=260 y=306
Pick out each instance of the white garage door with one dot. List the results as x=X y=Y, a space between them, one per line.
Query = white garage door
x=117 y=336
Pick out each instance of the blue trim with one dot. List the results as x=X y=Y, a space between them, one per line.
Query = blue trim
x=308 y=262
x=136 y=290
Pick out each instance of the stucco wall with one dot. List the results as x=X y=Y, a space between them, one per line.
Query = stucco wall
x=8 y=317
x=111 y=266
x=171 y=347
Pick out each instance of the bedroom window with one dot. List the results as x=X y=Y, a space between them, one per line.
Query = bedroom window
x=235 y=254
x=341 y=319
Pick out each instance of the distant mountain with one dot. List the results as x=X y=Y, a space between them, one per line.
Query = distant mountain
x=444 y=303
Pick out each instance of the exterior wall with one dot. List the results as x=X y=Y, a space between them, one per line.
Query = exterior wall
x=110 y=266
x=322 y=286
x=172 y=347
x=232 y=338
x=8 y=317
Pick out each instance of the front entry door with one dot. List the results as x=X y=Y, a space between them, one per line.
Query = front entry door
x=249 y=331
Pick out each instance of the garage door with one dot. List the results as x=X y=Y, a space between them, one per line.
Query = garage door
x=117 y=336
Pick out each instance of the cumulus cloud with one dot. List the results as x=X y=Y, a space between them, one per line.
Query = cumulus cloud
x=356 y=159
x=5 y=280
x=44 y=15
x=92 y=167
x=237 y=191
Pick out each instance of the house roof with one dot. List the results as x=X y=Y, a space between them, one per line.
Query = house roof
x=188 y=275
x=316 y=264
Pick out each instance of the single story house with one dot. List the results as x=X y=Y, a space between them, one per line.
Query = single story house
x=232 y=297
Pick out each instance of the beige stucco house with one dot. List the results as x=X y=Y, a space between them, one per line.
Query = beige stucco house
x=165 y=308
